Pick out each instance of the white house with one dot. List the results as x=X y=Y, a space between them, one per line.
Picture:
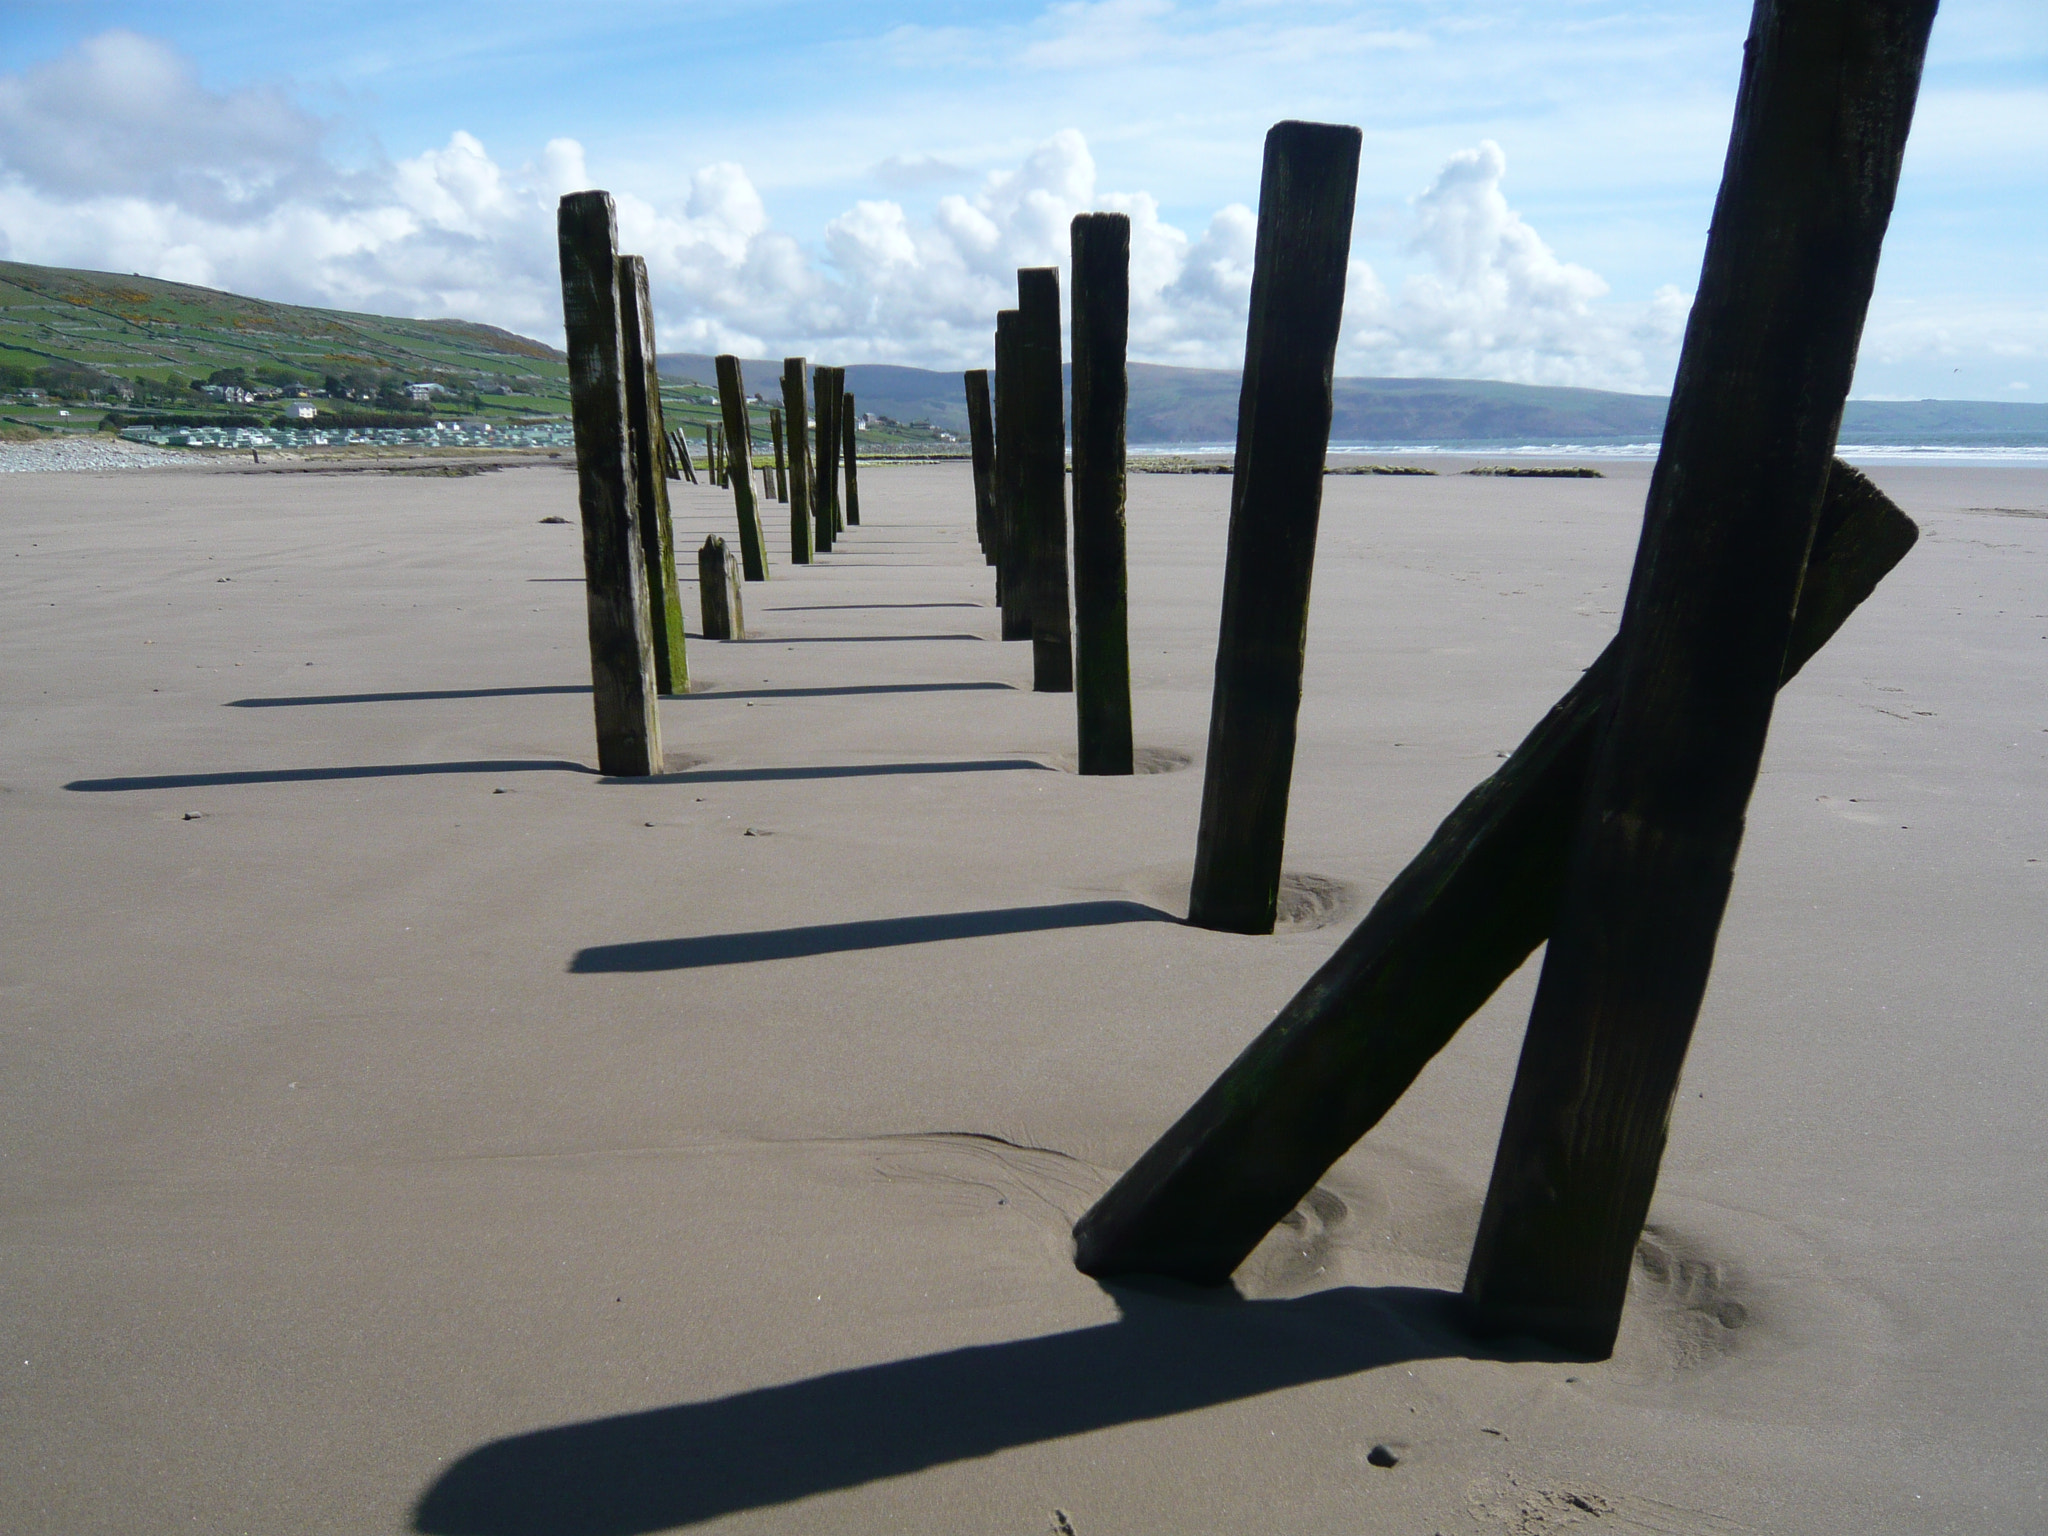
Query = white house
x=302 y=410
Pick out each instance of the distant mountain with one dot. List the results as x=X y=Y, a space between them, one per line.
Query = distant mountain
x=1199 y=405
x=144 y=326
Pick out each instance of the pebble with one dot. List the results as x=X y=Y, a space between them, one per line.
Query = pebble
x=1380 y=1456
x=73 y=454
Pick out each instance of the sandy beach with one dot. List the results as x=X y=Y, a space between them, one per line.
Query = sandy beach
x=406 y=1128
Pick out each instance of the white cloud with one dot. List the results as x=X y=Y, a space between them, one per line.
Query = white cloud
x=1495 y=301
x=116 y=156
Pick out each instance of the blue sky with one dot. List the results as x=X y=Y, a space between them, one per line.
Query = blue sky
x=859 y=181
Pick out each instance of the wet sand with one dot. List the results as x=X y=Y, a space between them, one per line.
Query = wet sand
x=407 y=1127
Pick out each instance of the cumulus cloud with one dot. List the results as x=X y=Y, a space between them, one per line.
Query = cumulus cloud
x=117 y=156
x=1495 y=301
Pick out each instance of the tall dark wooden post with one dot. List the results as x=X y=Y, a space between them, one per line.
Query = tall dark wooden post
x=1276 y=496
x=739 y=466
x=657 y=533
x=1042 y=476
x=982 y=443
x=1449 y=929
x=1102 y=652
x=826 y=390
x=1821 y=117
x=781 y=472
x=1013 y=531
x=852 y=421
x=797 y=413
x=623 y=687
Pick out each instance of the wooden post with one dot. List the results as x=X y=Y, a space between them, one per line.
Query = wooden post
x=798 y=414
x=1450 y=928
x=781 y=473
x=852 y=420
x=1042 y=476
x=825 y=488
x=718 y=590
x=1276 y=497
x=767 y=483
x=657 y=532
x=1102 y=652
x=623 y=688
x=681 y=440
x=739 y=452
x=1821 y=117
x=981 y=440
x=1013 y=531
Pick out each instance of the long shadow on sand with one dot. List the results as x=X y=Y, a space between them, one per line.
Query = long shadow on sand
x=852 y=689
x=837 y=771
x=692 y=1462
x=842 y=639
x=309 y=775
x=847 y=607
x=424 y=695
x=838 y=938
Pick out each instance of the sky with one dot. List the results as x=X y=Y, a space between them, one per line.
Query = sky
x=858 y=183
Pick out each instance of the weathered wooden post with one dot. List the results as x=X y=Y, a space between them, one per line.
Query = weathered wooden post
x=681 y=440
x=657 y=534
x=1102 y=652
x=1283 y=435
x=1042 y=476
x=852 y=420
x=797 y=413
x=718 y=591
x=767 y=484
x=1464 y=915
x=981 y=442
x=825 y=487
x=1013 y=531
x=732 y=401
x=781 y=473
x=1821 y=117
x=623 y=687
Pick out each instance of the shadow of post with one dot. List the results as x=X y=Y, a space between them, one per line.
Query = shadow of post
x=692 y=1462
x=839 y=938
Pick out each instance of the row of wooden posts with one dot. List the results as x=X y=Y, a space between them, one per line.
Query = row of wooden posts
x=625 y=455
x=1611 y=832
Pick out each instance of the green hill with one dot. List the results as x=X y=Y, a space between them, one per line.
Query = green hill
x=138 y=343
x=75 y=330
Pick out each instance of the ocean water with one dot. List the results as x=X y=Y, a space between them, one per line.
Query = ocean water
x=1854 y=453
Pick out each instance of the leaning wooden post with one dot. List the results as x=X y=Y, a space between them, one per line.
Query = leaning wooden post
x=732 y=400
x=1013 y=531
x=1276 y=496
x=781 y=473
x=1821 y=116
x=797 y=414
x=657 y=532
x=981 y=441
x=681 y=440
x=847 y=415
x=1464 y=915
x=718 y=591
x=1102 y=652
x=623 y=687
x=1042 y=476
x=825 y=487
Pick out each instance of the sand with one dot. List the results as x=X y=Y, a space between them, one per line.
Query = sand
x=482 y=1146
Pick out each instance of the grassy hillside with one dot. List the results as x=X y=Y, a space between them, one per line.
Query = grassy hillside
x=138 y=342
x=141 y=328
